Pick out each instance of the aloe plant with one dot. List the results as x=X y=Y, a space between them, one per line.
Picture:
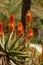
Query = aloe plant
x=11 y=47
x=15 y=52
x=8 y=53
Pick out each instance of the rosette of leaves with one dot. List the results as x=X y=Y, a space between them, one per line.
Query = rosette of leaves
x=12 y=49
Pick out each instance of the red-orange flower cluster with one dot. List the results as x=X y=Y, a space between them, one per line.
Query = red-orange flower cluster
x=1 y=29
x=30 y=33
x=28 y=16
x=11 y=23
x=11 y=18
x=20 y=28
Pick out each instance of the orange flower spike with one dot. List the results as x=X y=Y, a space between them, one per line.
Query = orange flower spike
x=11 y=23
x=28 y=16
x=1 y=29
x=30 y=33
x=11 y=18
x=20 y=28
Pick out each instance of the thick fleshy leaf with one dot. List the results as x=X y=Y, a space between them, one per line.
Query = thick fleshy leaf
x=14 y=44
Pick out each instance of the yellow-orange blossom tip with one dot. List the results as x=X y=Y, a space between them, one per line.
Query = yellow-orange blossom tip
x=30 y=33
x=20 y=28
x=11 y=23
x=28 y=16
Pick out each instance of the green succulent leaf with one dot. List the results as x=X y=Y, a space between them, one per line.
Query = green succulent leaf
x=15 y=43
